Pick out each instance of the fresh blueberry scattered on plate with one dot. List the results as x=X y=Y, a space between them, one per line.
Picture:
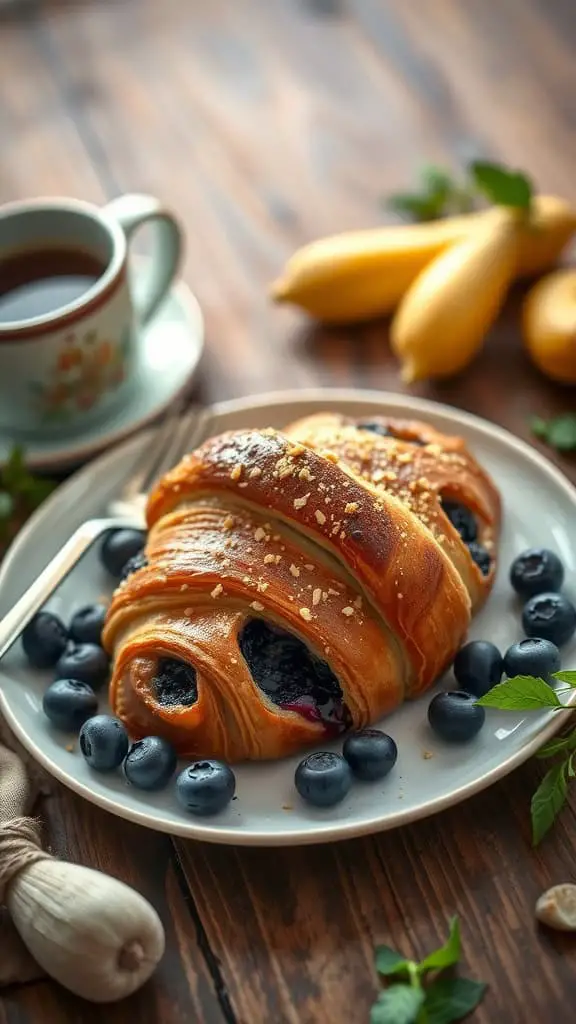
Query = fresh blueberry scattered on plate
x=118 y=547
x=150 y=763
x=532 y=657
x=481 y=556
x=104 y=742
x=455 y=716
x=323 y=779
x=536 y=571
x=549 y=616
x=478 y=666
x=133 y=564
x=370 y=753
x=86 y=662
x=44 y=640
x=462 y=520
x=87 y=623
x=68 y=703
x=205 y=787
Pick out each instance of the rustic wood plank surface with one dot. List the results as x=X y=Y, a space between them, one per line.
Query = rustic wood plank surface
x=265 y=123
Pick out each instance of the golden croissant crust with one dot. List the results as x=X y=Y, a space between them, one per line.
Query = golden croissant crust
x=299 y=583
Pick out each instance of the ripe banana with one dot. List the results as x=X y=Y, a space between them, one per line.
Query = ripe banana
x=549 y=324
x=359 y=275
x=441 y=322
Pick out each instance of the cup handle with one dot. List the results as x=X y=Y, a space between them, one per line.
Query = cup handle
x=131 y=212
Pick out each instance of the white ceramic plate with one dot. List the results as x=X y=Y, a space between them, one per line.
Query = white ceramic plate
x=539 y=508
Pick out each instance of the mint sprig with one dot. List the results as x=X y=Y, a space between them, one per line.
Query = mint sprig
x=528 y=693
x=502 y=186
x=419 y=992
x=440 y=193
x=21 y=492
x=559 y=431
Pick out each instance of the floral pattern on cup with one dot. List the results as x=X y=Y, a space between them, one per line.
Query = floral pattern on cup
x=86 y=368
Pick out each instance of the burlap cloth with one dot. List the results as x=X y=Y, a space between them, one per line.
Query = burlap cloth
x=21 y=782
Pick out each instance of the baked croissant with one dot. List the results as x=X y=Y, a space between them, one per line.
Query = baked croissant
x=300 y=583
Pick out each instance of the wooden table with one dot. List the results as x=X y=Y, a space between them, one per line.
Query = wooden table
x=265 y=123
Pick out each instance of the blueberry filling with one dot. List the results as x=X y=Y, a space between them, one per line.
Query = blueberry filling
x=465 y=524
x=462 y=520
x=292 y=677
x=383 y=431
x=133 y=564
x=175 y=683
x=480 y=556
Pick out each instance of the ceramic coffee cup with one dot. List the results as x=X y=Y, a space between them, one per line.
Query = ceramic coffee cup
x=70 y=311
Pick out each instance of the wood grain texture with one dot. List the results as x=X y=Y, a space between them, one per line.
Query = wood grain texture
x=266 y=123
x=183 y=988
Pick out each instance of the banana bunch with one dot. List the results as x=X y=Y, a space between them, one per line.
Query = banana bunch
x=446 y=279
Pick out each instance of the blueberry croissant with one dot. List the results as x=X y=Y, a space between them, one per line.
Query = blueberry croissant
x=300 y=583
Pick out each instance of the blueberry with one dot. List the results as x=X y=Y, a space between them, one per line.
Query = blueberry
x=150 y=763
x=370 y=753
x=549 y=616
x=462 y=520
x=455 y=716
x=323 y=779
x=478 y=667
x=536 y=571
x=86 y=626
x=44 y=640
x=68 y=703
x=118 y=546
x=533 y=657
x=104 y=742
x=133 y=564
x=480 y=556
x=86 y=662
x=205 y=787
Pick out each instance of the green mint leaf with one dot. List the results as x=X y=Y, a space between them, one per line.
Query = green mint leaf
x=6 y=505
x=559 y=432
x=15 y=470
x=521 y=693
x=566 y=676
x=501 y=186
x=437 y=182
x=37 y=490
x=447 y=955
x=452 y=999
x=558 y=745
x=562 y=433
x=539 y=427
x=398 y=1004
x=413 y=207
x=570 y=766
x=388 y=961
x=548 y=801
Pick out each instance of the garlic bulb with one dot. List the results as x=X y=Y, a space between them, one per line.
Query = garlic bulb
x=96 y=936
x=557 y=907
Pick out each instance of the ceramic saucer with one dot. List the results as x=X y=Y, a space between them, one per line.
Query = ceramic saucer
x=168 y=357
